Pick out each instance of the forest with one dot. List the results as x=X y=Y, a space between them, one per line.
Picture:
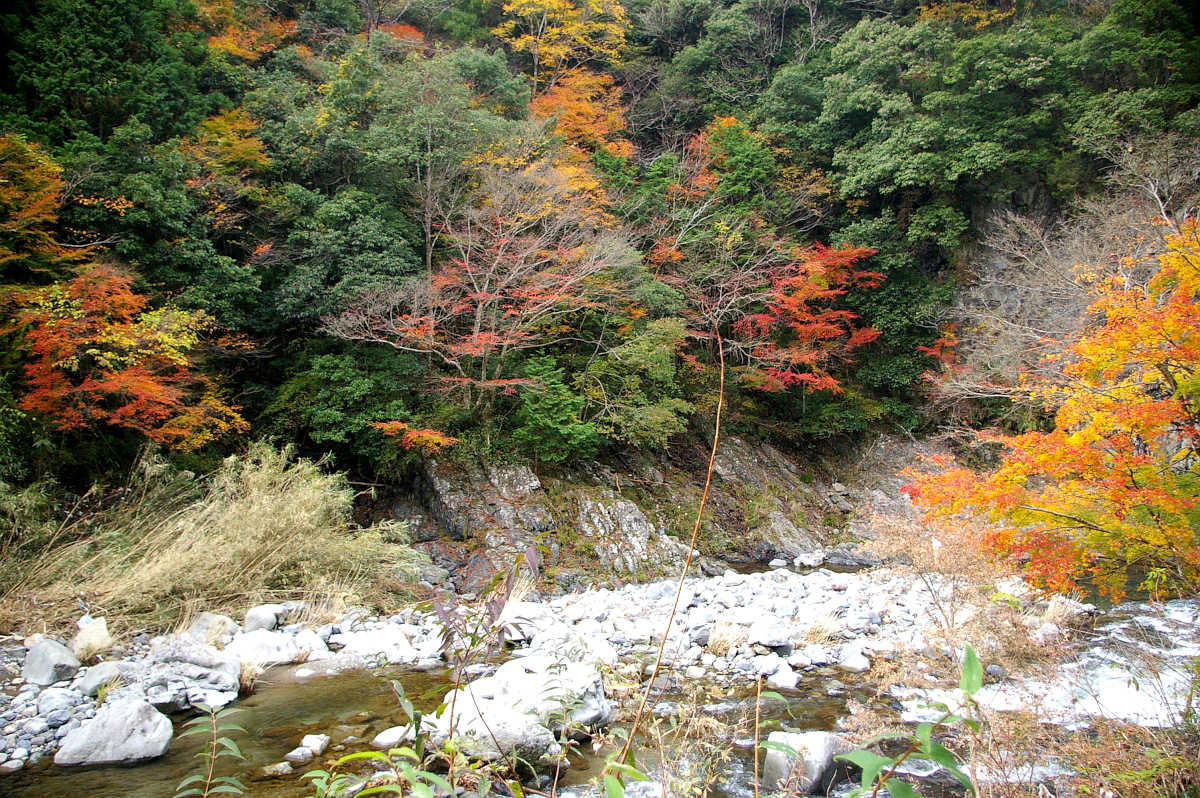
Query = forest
x=377 y=234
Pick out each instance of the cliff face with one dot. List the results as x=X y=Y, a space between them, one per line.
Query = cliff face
x=627 y=518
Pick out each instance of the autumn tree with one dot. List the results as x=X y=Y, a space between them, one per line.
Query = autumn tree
x=526 y=256
x=1113 y=488
x=100 y=355
x=559 y=34
x=31 y=193
x=586 y=109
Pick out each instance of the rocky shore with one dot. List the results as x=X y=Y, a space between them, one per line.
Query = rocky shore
x=729 y=629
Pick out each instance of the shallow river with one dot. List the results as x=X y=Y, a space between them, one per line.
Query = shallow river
x=361 y=704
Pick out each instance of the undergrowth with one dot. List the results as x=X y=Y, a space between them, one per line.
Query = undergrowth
x=265 y=525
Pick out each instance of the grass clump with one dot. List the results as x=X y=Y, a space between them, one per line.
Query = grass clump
x=265 y=525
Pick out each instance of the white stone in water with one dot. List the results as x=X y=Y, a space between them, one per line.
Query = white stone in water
x=317 y=743
x=814 y=752
x=783 y=679
x=299 y=755
x=853 y=660
x=390 y=738
x=276 y=770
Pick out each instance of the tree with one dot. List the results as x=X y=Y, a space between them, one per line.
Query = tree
x=99 y=355
x=1114 y=486
x=559 y=34
x=586 y=110
x=550 y=423
x=526 y=255
x=31 y=193
x=800 y=333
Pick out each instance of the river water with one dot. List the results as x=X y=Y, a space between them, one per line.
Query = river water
x=358 y=705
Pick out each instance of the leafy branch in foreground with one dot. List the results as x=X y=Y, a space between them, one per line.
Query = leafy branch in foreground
x=218 y=745
x=879 y=772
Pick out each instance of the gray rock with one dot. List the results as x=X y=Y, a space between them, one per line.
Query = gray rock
x=91 y=680
x=48 y=661
x=212 y=628
x=53 y=698
x=276 y=770
x=812 y=765
x=299 y=755
x=123 y=731
x=264 y=616
x=181 y=671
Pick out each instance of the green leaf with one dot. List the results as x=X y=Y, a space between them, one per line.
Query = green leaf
x=192 y=779
x=940 y=754
x=783 y=748
x=613 y=788
x=628 y=770
x=231 y=747
x=226 y=789
x=871 y=764
x=900 y=789
x=924 y=732
x=189 y=792
x=772 y=694
x=422 y=790
x=376 y=755
x=972 y=671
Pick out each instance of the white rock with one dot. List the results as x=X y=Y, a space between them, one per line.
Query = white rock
x=299 y=755
x=854 y=660
x=317 y=743
x=264 y=647
x=264 y=616
x=123 y=731
x=783 y=679
x=811 y=765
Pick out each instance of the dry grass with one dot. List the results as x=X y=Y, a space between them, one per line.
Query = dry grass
x=824 y=630
x=726 y=636
x=263 y=527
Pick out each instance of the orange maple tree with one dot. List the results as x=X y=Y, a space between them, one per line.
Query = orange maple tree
x=1114 y=488
x=99 y=355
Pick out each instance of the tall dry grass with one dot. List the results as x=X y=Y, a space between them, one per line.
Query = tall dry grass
x=266 y=525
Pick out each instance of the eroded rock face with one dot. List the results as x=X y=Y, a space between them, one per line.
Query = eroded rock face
x=124 y=731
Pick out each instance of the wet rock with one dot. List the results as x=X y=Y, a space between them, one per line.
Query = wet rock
x=317 y=743
x=49 y=661
x=811 y=766
x=123 y=731
x=276 y=771
x=299 y=755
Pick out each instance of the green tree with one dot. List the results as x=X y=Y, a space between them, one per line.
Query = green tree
x=549 y=417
